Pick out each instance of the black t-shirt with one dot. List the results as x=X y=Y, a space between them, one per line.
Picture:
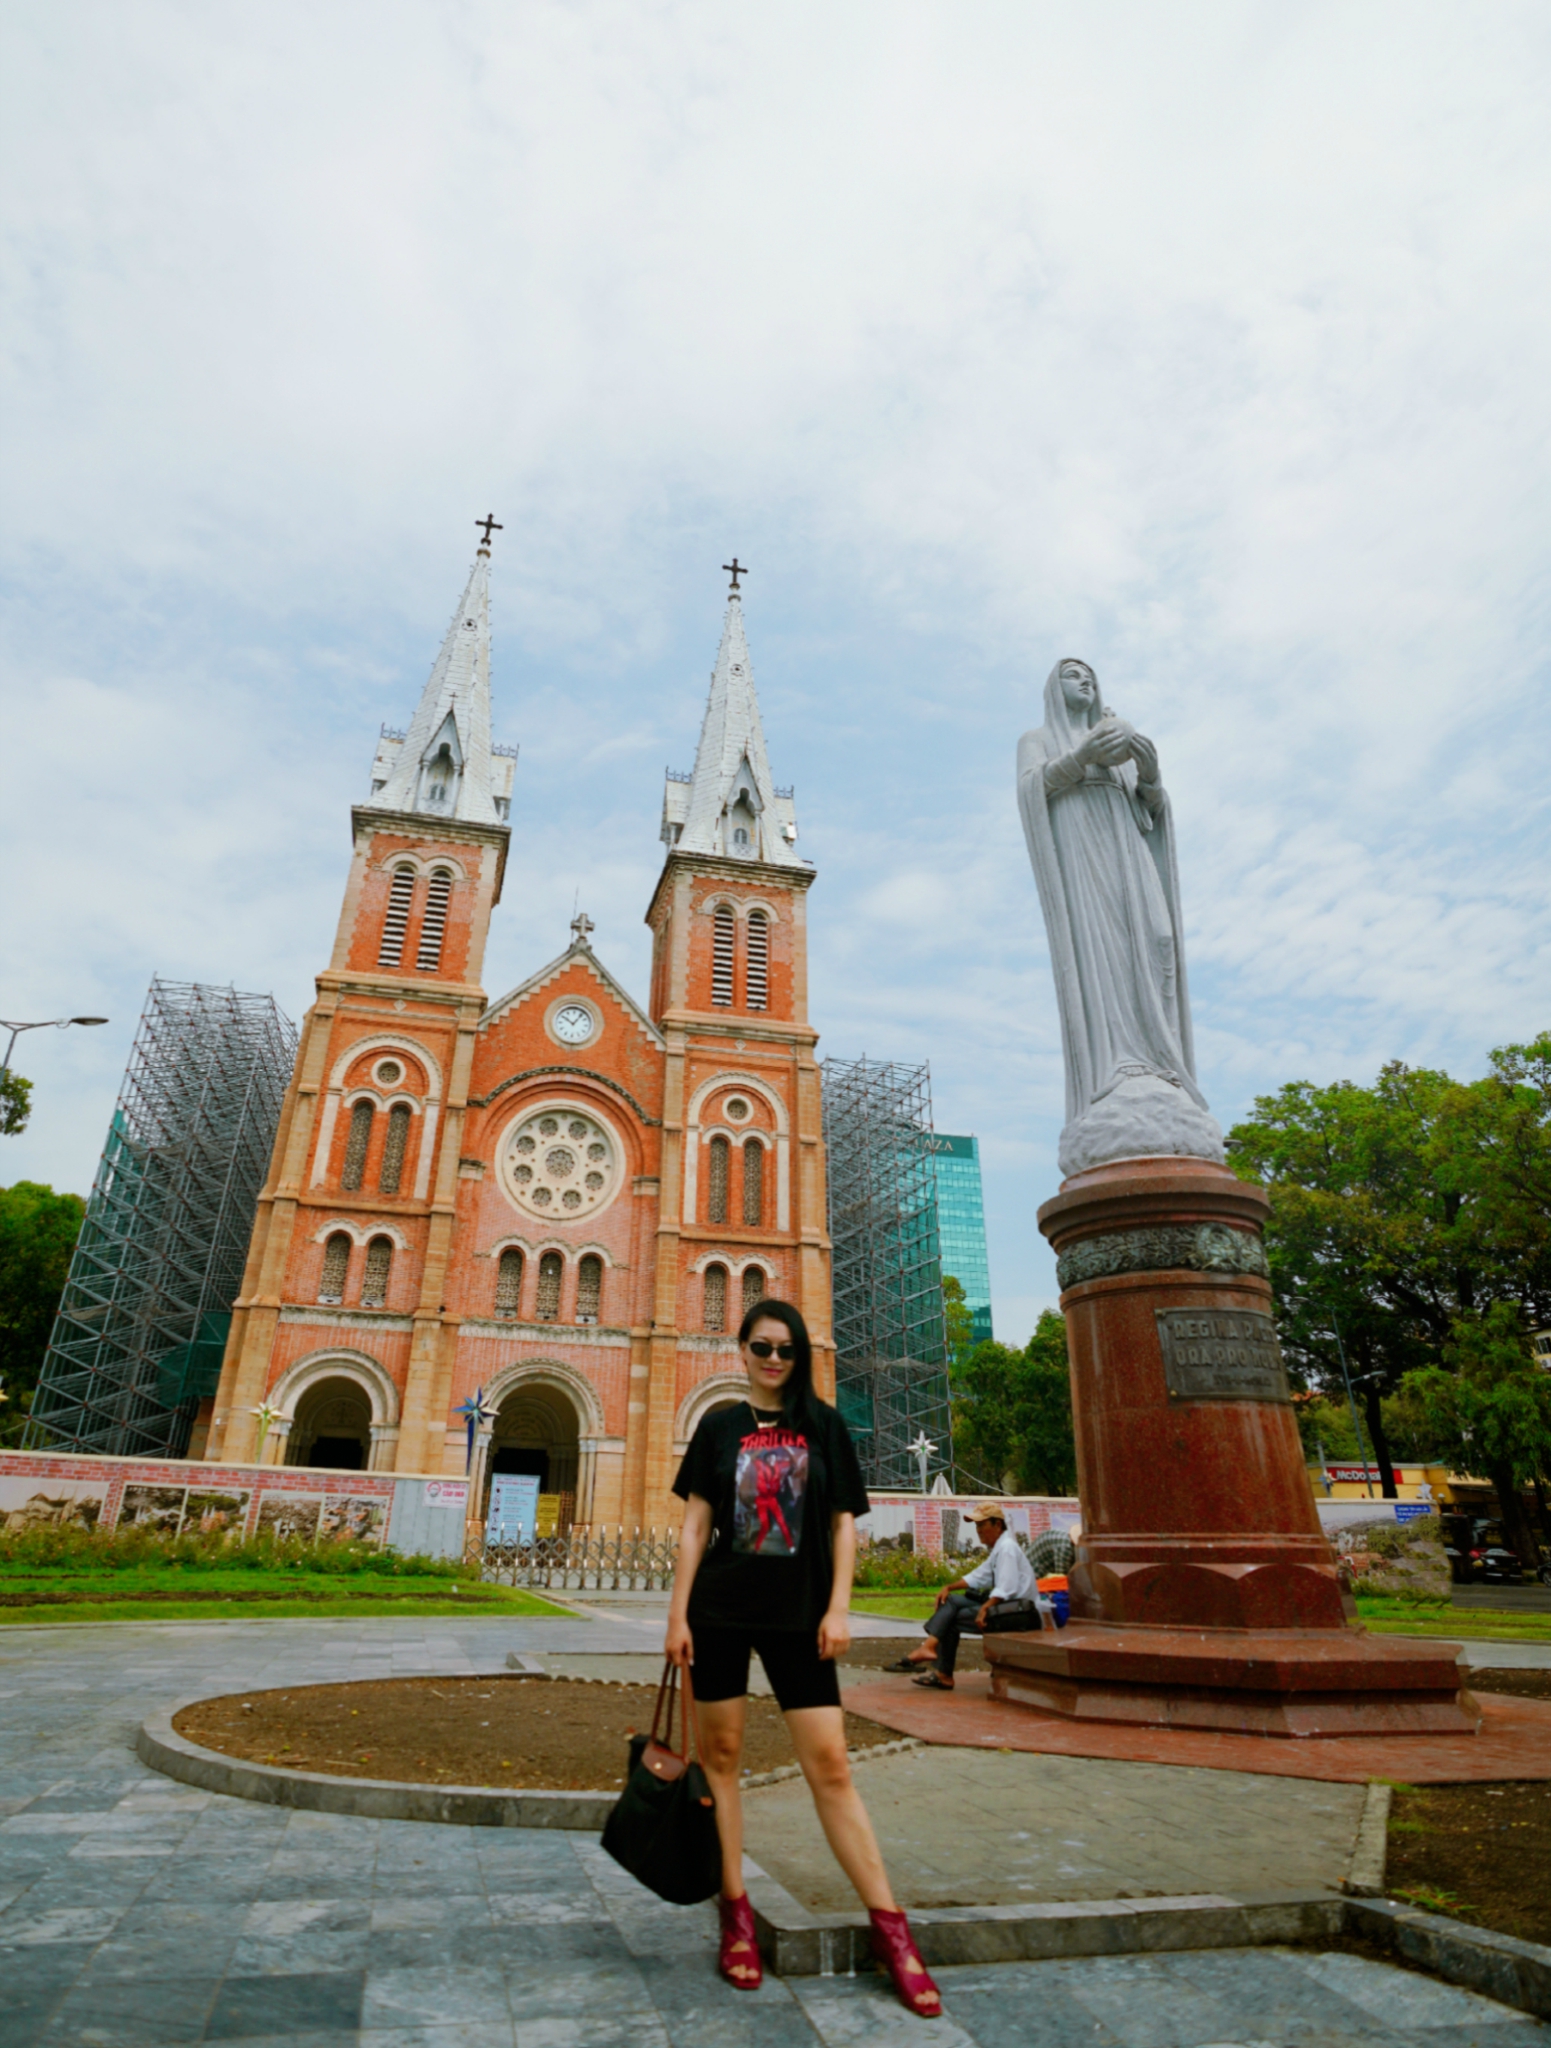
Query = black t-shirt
x=772 y=1490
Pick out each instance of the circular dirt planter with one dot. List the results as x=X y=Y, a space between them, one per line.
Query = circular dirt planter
x=259 y=1745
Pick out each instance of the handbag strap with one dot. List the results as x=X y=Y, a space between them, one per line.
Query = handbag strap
x=689 y=1720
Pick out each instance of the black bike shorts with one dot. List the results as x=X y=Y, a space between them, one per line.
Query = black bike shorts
x=799 y=1676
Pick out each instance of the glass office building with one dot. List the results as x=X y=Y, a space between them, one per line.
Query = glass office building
x=961 y=1224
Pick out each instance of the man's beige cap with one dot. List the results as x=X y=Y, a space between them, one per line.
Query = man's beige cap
x=988 y=1511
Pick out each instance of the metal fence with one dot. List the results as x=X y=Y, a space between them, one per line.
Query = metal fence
x=586 y=1561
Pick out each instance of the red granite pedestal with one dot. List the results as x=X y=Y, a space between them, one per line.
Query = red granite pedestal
x=1204 y=1593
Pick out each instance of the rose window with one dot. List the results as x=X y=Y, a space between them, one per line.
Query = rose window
x=560 y=1162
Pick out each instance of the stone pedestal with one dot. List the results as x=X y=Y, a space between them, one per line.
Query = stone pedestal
x=1204 y=1593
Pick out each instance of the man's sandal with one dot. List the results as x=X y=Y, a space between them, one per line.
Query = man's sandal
x=897 y=1953
x=909 y=1664
x=935 y=1682
x=739 y=1960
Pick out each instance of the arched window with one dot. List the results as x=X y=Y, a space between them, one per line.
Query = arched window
x=393 y=1149
x=391 y=951
x=758 y=976
x=379 y=1261
x=753 y=1183
x=714 y=1316
x=336 y=1264
x=547 y=1307
x=435 y=923
x=724 y=933
x=721 y=1153
x=589 y=1288
x=753 y=1286
x=355 y=1145
x=508 y=1283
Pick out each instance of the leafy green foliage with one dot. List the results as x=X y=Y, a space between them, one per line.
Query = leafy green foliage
x=15 y=1103
x=1012 y=1411
x=139 y=1549
x=957 y=1317
x=882 y=1567
x=1400 y=1214
x=38 y=1230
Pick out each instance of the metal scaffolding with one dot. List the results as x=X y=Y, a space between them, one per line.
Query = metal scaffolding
x=143 y=1318
x=890 y=1338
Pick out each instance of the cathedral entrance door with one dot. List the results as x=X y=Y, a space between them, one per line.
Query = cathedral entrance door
x=537 y=1430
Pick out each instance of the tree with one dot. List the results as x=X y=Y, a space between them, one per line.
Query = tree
x=1379 y=1236
x=957 y=1317
x=38 y=1230
x=1012 y=1413
x=15 y=1103
x=1491 y=1412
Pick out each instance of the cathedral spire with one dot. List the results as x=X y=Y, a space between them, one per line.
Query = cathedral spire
x=443 y=765
x=729 y=805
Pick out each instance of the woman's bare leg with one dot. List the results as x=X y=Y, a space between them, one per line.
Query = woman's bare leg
x=819 y=1738
x=721 y=1737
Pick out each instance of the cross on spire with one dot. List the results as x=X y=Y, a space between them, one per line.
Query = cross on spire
x=735 y=569
x=581 y=925
x=488 y=523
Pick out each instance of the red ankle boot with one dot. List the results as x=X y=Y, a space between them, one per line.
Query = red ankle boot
x=895 y=1950
x=739 y=1959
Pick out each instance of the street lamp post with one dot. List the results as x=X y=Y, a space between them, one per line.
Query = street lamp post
x=43 y=1024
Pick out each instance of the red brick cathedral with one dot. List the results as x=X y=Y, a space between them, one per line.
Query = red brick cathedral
x=559 y=1197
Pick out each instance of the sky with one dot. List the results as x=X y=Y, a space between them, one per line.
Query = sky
x=1206 y=342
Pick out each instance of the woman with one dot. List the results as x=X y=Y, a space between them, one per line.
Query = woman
x=772 y=1490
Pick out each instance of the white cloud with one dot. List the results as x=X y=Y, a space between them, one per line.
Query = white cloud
x=1208 y=342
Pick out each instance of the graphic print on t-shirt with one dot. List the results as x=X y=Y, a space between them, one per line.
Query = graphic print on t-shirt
x=768 y=1494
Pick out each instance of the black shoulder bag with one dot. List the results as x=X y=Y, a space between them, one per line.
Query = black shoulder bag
x=663 y=1826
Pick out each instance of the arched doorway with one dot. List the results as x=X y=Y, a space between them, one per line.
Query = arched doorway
x=333 y=1427
x=537 y=1430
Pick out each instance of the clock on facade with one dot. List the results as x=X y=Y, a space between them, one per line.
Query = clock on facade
x=573 y=1024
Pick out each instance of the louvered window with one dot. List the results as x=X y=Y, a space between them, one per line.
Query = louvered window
x=393 y=1149
x=753 y=1286
x=355 y=1145
x=721 y=1153
x=589 y=1288
x=724 y=932
x=391 y=953
x=508 y=1284
x=547 y=1308
x=379 y=1259
x=336 y=1264
x=715 y=1315
x=435 y=923
x=758 y=977
x=753 y=1182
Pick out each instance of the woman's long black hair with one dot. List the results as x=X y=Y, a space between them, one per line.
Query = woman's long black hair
x=798 y=1400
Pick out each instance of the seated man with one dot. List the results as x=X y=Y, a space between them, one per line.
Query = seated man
x=1002 y=1578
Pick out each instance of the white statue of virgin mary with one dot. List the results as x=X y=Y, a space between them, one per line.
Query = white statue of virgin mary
x=1102 y=843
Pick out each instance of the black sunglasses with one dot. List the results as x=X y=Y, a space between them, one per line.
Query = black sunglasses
x=762 y=1348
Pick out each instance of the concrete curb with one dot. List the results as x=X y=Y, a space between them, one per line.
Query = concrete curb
x=473 y=1806
x=1517 y=1973
x=158 y=1744
x=798 y=1943
x=1365 y=1872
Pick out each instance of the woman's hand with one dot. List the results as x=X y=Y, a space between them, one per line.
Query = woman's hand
x=1145 y=755
x=678 y=1645
x=834 y=1634
x=1107 y=744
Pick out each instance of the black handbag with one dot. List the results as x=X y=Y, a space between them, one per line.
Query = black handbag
x=1012 y=1614
x=663 y=1825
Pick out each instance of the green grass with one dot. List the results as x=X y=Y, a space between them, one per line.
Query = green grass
x=901 y=1606
x=324 y=1605
x=1443 y=1618
x=53 y=1575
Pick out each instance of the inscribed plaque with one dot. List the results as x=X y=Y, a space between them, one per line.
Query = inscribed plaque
x=1221 y=1355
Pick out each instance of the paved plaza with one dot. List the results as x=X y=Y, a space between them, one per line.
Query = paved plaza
x=135 y=1912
